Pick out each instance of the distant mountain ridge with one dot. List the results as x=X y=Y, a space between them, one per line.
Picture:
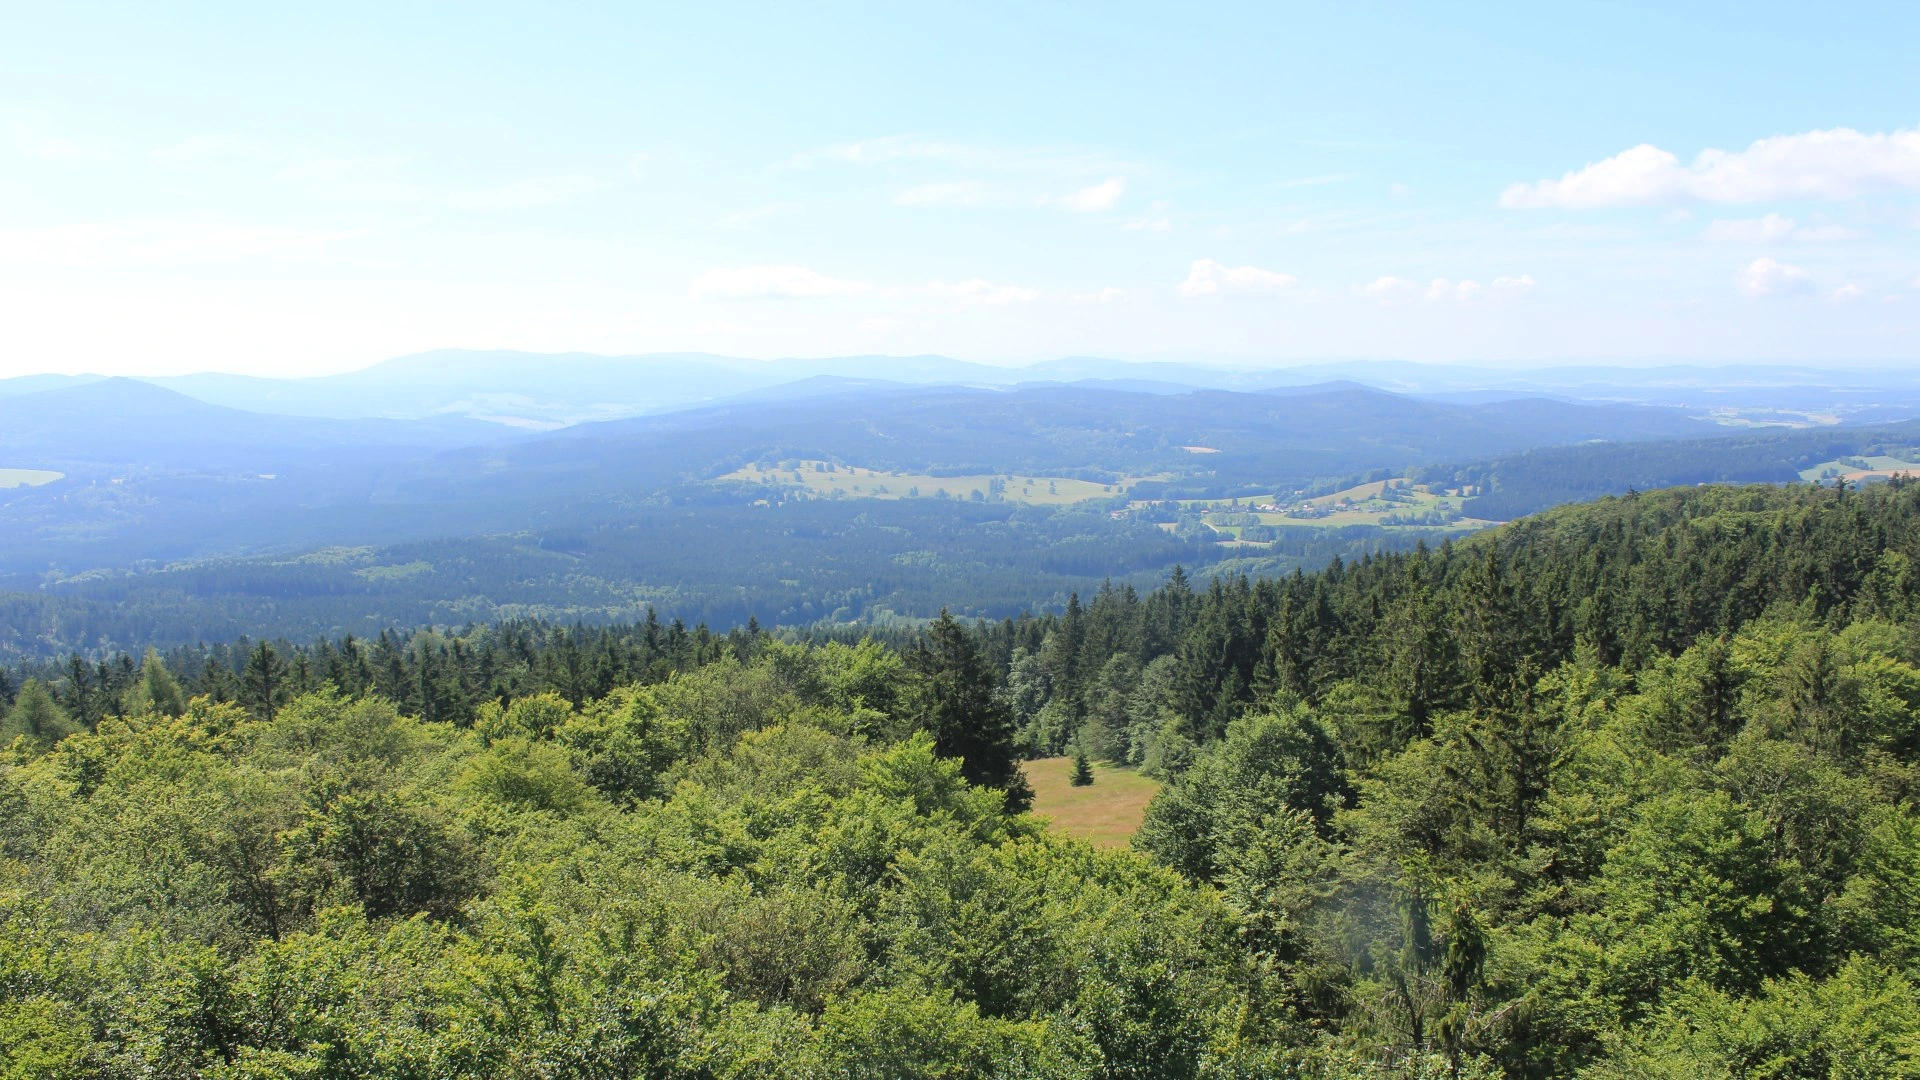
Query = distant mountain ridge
x=535 y=391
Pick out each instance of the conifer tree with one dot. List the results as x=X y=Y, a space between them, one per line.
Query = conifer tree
x=959 y=708
x=1082 y=769
x=36 y=715
x=156 y=691
x=264 y=683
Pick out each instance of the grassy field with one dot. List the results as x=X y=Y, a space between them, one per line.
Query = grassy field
x=1106 y=812
x=12 y=478
x=1363 y=504
x=847 y=481
x=1880 y=468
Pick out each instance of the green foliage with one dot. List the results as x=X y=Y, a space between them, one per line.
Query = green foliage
x=36 y=720
x=1624 y=792
x=956 y=702
x=1267 y=765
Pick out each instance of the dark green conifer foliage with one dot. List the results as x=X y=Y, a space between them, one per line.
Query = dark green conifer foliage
x=958 y=706
x=1082 y=770
x=265 y=685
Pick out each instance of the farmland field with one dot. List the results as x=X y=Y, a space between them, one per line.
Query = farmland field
x=12 y=478
x=1106 y=813
x=1395 y=503
x=1878 y=467
x=826 y=480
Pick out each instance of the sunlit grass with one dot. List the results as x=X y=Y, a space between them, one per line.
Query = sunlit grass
x=1107 y=812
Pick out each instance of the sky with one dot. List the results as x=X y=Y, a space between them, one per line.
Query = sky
x=258 y=189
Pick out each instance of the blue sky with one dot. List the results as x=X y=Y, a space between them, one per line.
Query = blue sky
x=242 y=188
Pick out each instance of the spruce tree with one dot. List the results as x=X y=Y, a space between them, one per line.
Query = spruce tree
x=264 y=683
x=966 y=718
x=1082 y=769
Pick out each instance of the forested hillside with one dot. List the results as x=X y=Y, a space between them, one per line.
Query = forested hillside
x=1514 y=485
x=1622 y=790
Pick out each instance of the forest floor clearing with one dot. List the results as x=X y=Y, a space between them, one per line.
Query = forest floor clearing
x=1106 y=812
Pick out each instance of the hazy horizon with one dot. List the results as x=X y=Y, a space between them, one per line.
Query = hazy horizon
x=1249 y=365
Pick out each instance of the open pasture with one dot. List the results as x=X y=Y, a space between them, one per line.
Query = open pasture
x=826 y=480
x=1106 y=812
x=13 y=478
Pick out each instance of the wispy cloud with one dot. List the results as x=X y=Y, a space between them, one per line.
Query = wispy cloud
x=977 y=290
x=157 y=242
x=801 y=282
x=1100 y=296
x=1839 y=163
x=1315 y=181
x=363 y=180
x=1208 y=278
x=31 y=133
x=206 y=149
x=1444 y=289
x=881 y=150
x=1773 y=228
x=744 y=219
x=1768 y=277
x=956 y=193
x=1038 y=161
x=525 y=194
x=753 y=282
x=1097 y=198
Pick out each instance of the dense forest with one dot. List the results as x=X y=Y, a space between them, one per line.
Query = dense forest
x=1622 y=790
x=1532 y=480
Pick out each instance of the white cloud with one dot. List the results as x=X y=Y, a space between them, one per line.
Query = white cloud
x=1208 y=277
x=960 y=193
x=1767 y=277
x=1773 y=228
x=1507 y=287
x=1390 y=288
x=1846 y=294
x=1439 y=289
x=1104 y=296
x=524 y=194
x=752 y=282
x=1839 y=163
x=1098 y=198
x=1149 y=225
